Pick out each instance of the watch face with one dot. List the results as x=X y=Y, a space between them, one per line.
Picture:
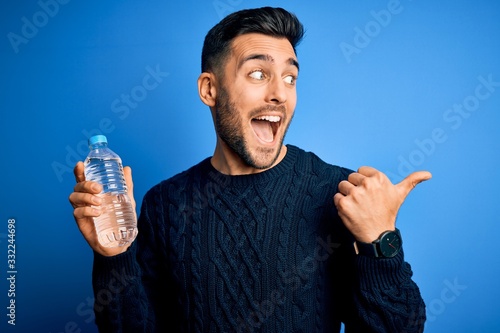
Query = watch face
x=390 y=244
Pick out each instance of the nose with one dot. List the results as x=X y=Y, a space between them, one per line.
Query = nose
x=277 y=91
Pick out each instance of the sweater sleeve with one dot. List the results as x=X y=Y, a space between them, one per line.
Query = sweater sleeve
x=386 y=299
x=373 y=294
x=120 y=303
x=130 y=289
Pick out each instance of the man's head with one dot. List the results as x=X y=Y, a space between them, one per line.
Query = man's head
x=269 y=21
x=249 y=68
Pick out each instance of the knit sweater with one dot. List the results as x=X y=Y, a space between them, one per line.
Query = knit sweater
x=265 y=252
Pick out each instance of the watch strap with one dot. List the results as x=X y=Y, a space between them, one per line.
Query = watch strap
x=371 y=249
x=366 y=249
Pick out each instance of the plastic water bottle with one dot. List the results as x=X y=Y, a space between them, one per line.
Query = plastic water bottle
x=117 y=224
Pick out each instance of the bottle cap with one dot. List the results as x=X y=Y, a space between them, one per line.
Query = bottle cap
x=97 y=139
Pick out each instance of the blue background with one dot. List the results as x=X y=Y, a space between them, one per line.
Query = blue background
x=374 y=89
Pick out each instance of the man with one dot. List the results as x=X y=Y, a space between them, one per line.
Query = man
x=262 y=236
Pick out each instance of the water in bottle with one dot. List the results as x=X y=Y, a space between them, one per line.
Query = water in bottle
x=117 y=224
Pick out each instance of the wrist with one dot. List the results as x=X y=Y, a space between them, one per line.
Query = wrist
x=387 y=245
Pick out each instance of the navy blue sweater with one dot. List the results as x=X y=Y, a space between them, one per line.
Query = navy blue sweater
x=254 y=253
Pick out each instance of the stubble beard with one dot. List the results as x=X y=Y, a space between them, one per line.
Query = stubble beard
x=229 y=127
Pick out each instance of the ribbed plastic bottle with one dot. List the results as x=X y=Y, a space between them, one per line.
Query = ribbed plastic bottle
x=117 y=224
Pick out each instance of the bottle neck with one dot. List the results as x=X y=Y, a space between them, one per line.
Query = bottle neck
x=98 y=145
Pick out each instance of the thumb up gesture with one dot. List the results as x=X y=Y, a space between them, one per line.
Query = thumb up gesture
x=368 y=202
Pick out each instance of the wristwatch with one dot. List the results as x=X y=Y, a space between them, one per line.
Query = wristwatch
x=387 y=245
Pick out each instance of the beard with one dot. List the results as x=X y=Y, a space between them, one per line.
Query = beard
x=229 y=127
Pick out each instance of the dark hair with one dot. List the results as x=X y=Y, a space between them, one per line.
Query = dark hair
x=275 y=22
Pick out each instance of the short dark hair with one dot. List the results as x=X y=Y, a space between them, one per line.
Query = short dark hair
x=274 y=22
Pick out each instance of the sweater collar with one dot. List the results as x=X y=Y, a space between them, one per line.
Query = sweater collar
x=265 y=176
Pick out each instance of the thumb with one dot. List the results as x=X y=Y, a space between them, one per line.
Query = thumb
x=79 y=172
x=412 y=180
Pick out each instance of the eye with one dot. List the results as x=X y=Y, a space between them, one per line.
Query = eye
x=257 y=75
x=290 y=79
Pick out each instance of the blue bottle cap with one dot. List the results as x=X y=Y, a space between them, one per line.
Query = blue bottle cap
x=97 y=139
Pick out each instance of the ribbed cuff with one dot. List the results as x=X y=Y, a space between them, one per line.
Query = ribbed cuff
x=123 y=264
x=382 y=272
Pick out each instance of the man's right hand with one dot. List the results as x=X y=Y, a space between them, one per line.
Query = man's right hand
x=86 y=206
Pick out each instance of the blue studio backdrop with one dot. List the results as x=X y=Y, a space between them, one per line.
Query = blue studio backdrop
x=399 y=85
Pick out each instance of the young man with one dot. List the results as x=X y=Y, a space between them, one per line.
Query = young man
x=262 y=236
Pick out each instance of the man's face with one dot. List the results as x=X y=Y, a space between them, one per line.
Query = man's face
x=256 y=100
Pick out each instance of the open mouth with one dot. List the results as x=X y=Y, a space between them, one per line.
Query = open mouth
x=266 y=127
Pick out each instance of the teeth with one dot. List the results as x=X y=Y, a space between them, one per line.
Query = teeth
x=273 y=119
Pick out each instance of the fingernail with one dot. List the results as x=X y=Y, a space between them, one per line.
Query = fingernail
x=96 y=211
x=96 y=200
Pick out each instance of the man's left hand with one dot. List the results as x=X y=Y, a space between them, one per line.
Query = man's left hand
x=368 y=202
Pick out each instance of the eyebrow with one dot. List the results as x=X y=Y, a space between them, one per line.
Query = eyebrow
x=267 y=57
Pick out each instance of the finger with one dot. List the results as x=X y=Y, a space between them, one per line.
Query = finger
x=88 y=187
x=127 y=172
x=79 y=172
x=345 y=187
x=367 y=171
x=412 y=180
x=79 y=199
x=337 y=197
x=85 y=194
x=356 y=178
x=85 y=212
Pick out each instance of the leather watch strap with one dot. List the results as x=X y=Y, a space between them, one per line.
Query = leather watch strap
x=366 y=249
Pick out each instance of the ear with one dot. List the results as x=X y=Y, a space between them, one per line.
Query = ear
x=207 y=89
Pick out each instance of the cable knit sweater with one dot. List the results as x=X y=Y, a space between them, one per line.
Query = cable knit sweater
x=265 y=252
